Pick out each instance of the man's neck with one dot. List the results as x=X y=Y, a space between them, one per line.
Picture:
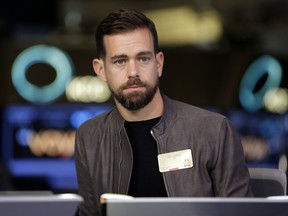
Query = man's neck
x=152 y=110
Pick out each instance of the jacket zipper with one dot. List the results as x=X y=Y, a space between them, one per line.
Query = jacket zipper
x=120 y=164
x=158 y=148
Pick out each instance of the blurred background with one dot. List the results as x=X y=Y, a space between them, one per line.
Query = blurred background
x=230 y=57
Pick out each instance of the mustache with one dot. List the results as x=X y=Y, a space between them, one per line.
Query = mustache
x=133 y=81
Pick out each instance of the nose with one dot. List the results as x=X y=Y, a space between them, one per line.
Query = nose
x=132 y=69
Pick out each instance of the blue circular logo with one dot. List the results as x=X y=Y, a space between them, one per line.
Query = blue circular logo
x=249 y=99
x=50 y=55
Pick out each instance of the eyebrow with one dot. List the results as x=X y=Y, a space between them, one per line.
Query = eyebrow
x=118 y=57
x=121 y=56
x=145 y=53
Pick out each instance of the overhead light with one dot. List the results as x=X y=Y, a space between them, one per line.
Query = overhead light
x=183 y=26
x=87 y=89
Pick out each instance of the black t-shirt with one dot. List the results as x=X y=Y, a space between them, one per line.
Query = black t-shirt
x=146 y=179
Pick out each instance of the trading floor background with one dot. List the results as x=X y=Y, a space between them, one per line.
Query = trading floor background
x=227 y=56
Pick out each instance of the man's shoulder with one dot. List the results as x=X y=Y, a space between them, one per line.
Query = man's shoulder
x=189 y=110
x=98 y=121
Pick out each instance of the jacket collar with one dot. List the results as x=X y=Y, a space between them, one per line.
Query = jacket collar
x=166 y=119
x=164 y=122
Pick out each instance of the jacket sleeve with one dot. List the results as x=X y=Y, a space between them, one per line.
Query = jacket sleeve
x=230 y=174
x=85 y=187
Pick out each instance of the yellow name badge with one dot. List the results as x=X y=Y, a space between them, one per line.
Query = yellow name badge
x=175 y=160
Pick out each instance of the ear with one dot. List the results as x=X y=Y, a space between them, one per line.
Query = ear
x=160 y=63
x=98 y=66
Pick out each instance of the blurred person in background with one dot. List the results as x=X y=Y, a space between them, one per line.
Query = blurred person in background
x=150 y=145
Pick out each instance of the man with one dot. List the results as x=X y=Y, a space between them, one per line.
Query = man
x=125 y=150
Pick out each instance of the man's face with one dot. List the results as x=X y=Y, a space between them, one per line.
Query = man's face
x=131 y=68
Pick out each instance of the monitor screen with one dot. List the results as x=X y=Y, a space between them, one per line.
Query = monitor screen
x=263 y=136
x=38 y=141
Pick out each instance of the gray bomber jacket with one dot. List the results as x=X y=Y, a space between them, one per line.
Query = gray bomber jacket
x=103 y=155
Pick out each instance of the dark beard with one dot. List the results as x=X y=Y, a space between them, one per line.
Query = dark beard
x=135 y=100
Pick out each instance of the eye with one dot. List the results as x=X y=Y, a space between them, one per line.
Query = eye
x=144 y=59
x=119 y=61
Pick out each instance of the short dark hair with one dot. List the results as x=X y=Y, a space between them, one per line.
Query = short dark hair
x=123 y=20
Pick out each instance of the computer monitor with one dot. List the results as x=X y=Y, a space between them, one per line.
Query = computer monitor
x=36 y=205
x=196 y=207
